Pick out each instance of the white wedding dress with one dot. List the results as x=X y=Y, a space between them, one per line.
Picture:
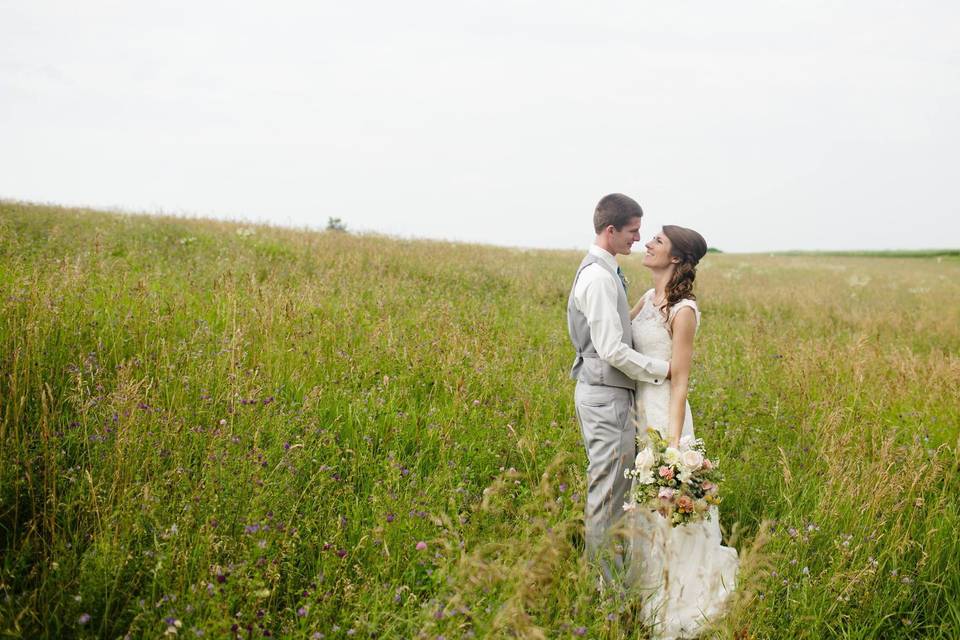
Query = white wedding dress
x=684 y=573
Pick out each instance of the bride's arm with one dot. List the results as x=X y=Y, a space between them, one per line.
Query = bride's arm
x=684 y=328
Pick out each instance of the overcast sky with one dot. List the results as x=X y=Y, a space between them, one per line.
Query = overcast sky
x=764 y=124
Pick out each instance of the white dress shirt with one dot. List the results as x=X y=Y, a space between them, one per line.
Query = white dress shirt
x=595 y=296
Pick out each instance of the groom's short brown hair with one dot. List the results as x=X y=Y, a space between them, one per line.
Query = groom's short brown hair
x=615 y=209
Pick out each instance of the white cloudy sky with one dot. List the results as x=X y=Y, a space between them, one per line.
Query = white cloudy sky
x=763 y=124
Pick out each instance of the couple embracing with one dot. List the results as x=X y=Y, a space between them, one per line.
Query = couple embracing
x=632 y=369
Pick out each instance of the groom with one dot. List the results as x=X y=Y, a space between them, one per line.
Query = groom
x=606 y=368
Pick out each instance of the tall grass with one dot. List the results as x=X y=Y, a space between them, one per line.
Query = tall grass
x=221 y=430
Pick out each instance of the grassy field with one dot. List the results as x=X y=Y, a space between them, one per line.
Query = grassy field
x=209 y=429
x=893 y=253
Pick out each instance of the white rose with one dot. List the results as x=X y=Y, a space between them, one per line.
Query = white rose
x=692 y=459
x=645 y=459
x=671 y=455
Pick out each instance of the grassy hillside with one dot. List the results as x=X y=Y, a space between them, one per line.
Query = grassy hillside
x=212 y=429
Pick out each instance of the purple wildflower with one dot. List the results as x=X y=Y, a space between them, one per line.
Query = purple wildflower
x=84 y=618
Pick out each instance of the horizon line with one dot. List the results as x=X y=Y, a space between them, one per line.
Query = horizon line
x=230 y=219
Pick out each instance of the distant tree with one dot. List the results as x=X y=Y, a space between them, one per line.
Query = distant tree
x=713 y=250
x=336 y=224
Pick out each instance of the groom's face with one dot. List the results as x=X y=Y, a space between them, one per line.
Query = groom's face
x=622 y=240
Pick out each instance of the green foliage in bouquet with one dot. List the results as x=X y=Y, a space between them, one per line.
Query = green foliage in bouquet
x=680 y=483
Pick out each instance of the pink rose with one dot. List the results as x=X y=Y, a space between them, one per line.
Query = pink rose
x=666 y=472
x=685 y=504
x=709 y=486
x=692 y=459
x=666 y=493
x=707 y=464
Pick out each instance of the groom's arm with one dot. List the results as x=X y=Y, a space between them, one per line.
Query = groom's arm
x=598 y=302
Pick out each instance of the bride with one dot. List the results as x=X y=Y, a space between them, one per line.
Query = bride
x=684 y=573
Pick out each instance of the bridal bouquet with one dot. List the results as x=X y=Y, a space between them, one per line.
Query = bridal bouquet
x=679 y=483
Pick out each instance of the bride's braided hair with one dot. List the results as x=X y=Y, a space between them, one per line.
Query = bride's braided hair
x=689 y=247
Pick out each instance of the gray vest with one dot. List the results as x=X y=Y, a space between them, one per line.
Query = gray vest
x=587 y=365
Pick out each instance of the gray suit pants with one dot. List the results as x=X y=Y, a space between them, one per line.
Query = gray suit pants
x=608 y=425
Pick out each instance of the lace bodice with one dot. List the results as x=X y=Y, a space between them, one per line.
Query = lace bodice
x=651 y=336
x=651 y=331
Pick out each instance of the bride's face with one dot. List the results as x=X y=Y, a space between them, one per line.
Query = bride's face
x=658 y=255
